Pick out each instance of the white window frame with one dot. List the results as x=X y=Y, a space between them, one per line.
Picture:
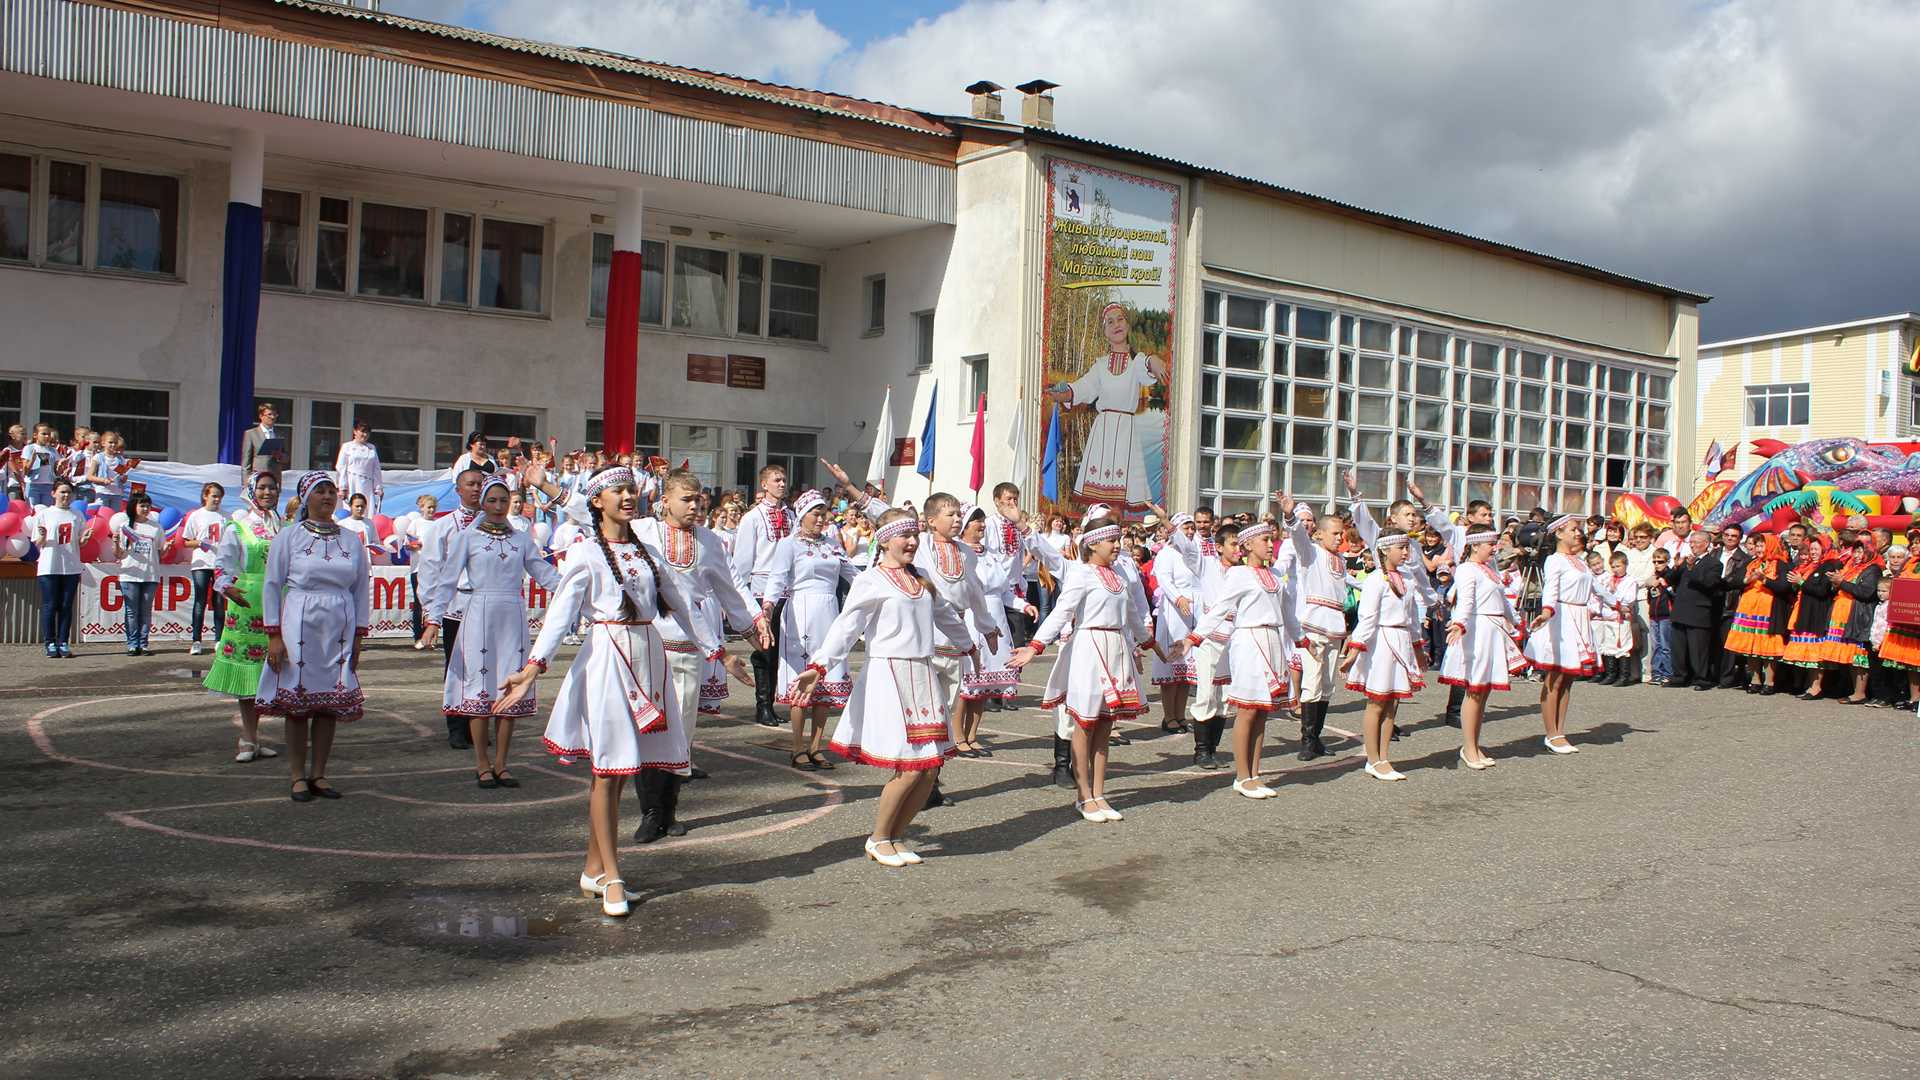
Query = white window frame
x=83 y=403
x=971 y=364
x=303 y=415
x=1794 y=394
x=734 y=294
x=876 y=314
x=40 y=164
x=923 y=327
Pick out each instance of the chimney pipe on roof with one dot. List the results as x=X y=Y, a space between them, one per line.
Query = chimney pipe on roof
x=1036 y=108
x=986 y=100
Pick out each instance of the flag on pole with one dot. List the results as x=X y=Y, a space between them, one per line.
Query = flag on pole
x=1017 y=431
x=1713 y=455
x=925 y=465
x=882 y=443
x=1050 y=459
x=979 y=474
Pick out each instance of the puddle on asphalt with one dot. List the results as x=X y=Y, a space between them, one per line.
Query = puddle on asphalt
x=506 y=924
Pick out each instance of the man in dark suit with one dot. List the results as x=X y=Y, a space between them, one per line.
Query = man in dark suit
x=1730 y=666
x=265 y=449
x=1697 y=583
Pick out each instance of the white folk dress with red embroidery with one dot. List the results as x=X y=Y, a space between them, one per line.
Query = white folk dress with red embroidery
x=1252 y=602
x=993 y=678
x=617 y=706
x=1095 y=677
x=806 y=572
x=895 y=717
x=1112 y=467
x=315 y=596
x=698 y=558
x=493 y=633
x=1388 y=669
x=1487 y=655
x=1565 y=643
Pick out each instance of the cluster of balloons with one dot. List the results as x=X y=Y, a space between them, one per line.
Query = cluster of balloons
x=16 y=543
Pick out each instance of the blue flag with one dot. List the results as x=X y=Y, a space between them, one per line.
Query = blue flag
x=925 y=465
x=1050 y=459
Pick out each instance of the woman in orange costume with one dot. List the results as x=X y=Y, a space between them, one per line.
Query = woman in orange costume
x=1752 y=634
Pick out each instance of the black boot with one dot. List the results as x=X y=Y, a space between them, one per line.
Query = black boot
x=1313 y=721
x=1063 y=763
x=1609 y=672
x=1200 y=743
x=1456 y=696
x=936 y=797
x=458 y=737
x=765 y=670
x=672 y=810
x=653 y=821
x=1629 y=671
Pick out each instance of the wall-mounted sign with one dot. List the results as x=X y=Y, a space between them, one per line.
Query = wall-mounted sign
x=711 y=369
x=747 y=372
x=903 y=451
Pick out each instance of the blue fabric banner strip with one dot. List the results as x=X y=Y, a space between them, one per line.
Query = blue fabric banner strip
x=239 y=320
x=174 y=485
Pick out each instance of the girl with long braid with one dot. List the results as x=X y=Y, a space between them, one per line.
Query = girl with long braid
x=617 y=707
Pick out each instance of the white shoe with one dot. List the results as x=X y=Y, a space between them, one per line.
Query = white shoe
x=1107 y=811
x=1388 y=773
x=197 y=649
x=247 y=753
x=893 y=860
x=911 y=858
x=1569 y=748
x=1252 y=788
x=264 y=752
x=616 y=908
x=570 y=639
x=1484 y=763
x=1093 y=814
x=591 y=887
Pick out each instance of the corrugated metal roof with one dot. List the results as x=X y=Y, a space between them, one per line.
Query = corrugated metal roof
x=1570 y=265
x=1806 y=331
x=875 y=112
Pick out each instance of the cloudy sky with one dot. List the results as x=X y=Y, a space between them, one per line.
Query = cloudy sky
x=1764 y=151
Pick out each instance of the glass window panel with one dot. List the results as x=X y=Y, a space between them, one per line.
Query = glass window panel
x=1656 y=478
x=1619 y=409
x=1430 y=481
x=1573 y=467
x=597 y=280
x=1310 y=439
x=1376 y=335
x=1654 y=386
x=456 y=254
x=1533 y=398
x=1657 y=416
x=1620 y=380
x=646 y=437
x=1578 y=372
x=330 y=256
x=1375 y=372
x=1757 y=411
x=139 y=222
x=1213 y=307
x=1510 y=394
x=1346 y=368
x=395 y=431
x=1403 y=413
x=1430 y=416
x=1533 y=432
x=1378 y=482
x=700 y=289
x=1657 y=447
x=1480 y=424
x=1484 y=357
x=1309 y=481
x=1349 y=332
x=653 y=282
x=1479 y=457
x=1246 y=394
x=1240 y=433
x=1279 y=429
x=1373 y=446
x=1479 y=489
x=1209 y=470
x=1309 y=323
x=1246 y=313
x=280 y=238
x=1533 y=365
x=1374 y=409
x=1430 y=381
x=1617 y=440
x=793 y=304
x=1209 y=438
x=141 y=416
x=334 y=211
x=1531 y=463
x=747 y=310
x=66 y=212
x=1210 y=390
x=1574 y=404
x=393 y=251
x=1245 y=353
x=1484 y=390
x=1282 y=318
x=1430 y=346
x=323 y=432
x=1210 y=349
x=16 y=207
x=1280 y=362
x=498 y=426
x=1428 y=453
x=1241 y=474
x=1574 y=437
x=1346 y=405
x=1310 y=363
x=1279 y=401
x=13 y=394
x=1229 y=505
x=450 y=436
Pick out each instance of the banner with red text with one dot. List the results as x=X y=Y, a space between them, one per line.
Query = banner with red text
x=102 y=608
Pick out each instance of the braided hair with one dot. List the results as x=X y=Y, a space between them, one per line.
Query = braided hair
x=627 y=608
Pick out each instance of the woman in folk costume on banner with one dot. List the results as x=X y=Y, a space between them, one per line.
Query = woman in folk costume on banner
x=240 y=567
x=895 y=717
x=495 y=559
x=806 y=573
x=1254 y=608
x=1112 y=467
x=1483 y=651
x=1560 y=639
x=617 y=707
x=994 y=679
x=1095 y=681
x=316 y=604
x=1384 y=655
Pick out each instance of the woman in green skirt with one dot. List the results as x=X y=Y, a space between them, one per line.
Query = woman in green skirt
x=243 y=640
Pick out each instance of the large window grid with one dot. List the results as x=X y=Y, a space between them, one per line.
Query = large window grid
x=407 y=435
x=74 y=212
x=142 y=414
x=768 y=297
x=1292 y=393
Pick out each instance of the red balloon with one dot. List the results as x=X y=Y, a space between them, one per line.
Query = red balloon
x=1665 y=505
x=382 y=526
x=10 y=523
x=90 y=551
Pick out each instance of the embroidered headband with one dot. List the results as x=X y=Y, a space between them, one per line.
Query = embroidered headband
x=1255 y=531
x=1480 y=538
x=808 y=501
x=1182 y=519
x=493 y=480
x=1563 y=521
x=619 y=476
x=1388 y=540
x=313 y=480
x=1094 y=536
x=906 y=526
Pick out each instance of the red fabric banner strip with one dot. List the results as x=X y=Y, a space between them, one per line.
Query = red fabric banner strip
x=620 y=381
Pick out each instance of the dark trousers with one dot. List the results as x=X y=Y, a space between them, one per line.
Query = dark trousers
x=1692 y=654
x=57 y=594
x=766 y=662
x=204 y=596
x=413 y=601
x=449 y=633
x=1732 y=667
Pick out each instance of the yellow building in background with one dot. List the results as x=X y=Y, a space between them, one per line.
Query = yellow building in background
x=1820 y=382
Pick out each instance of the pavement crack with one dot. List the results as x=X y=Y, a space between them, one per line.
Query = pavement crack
x=1848 y=1013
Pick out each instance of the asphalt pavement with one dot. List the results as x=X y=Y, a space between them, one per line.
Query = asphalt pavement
x=1718 y=885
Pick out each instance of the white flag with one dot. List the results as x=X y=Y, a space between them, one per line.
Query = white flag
x=1017 y=431
x=882 y=443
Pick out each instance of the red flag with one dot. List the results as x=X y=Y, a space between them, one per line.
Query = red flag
x=979 y=445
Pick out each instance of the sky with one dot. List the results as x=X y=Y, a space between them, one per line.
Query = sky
x=1762 y=151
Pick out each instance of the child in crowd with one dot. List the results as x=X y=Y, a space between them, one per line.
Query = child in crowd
x=1660 y=620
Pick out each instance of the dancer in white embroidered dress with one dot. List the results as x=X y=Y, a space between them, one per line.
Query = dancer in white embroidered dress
x=316 y=605
x=804 y=582
x=895 y=716
x=1095 y=681
x=994 y=679
x=1560 y=639
x=1384 y=656
x=616 y=707
x=1113 y=468
x=1254 y=604
x=1482 y=654
x=495 y=560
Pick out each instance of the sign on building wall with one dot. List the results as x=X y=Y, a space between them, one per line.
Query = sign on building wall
x=1108 y=353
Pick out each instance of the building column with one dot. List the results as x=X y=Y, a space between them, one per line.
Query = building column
x=621 y=377
x=240 y=291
